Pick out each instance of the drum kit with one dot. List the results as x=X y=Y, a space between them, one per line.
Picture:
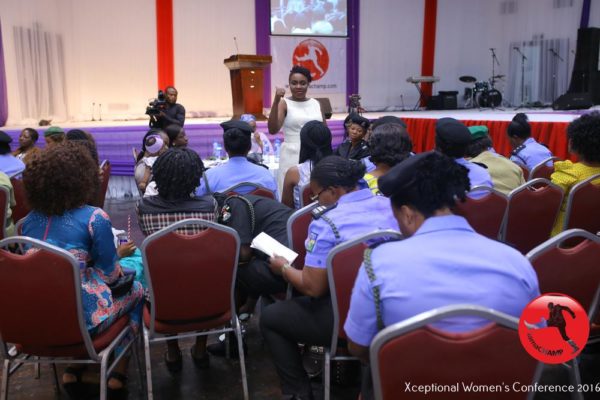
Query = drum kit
x=482 y=94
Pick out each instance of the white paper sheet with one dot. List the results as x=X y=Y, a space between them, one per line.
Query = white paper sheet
x=270 y=247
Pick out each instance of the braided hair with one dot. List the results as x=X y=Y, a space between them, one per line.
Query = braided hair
x=519 y=127
x=337 y=171
x=315 y=142
x=177 y=173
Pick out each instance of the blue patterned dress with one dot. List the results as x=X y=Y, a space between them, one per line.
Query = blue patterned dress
x=86 y=233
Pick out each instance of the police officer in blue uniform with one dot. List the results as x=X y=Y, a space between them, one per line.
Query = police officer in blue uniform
x=345 y=212
x=355 y=147
x=9 y=164
x=526 y=151
x=237 y=138
x=442 y=261
x=452 y=138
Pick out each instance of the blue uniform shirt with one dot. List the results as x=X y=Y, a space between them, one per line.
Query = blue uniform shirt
x=477 y=175
x=530 y=154
x=357 y=213
x=445 y=262
x=237 y=170
x=11 y=165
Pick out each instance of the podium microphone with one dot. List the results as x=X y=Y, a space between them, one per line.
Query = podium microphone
x=236 y=45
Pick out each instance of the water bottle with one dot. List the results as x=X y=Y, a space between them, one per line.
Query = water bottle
x=216 y=150
x=277 y=149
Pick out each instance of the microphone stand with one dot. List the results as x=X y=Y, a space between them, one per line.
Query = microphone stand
x=523 y=58
x=493 y=79
x=554 y=67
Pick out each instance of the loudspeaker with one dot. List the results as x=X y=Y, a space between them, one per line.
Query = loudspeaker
x=443 y=101
x=573 y=101
x=586 y=71
x=325 y=106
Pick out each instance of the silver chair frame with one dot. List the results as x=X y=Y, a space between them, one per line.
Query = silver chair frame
x=574 y=190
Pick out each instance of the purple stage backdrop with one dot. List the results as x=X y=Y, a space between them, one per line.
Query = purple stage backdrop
x=115 y=143
x=3 y=96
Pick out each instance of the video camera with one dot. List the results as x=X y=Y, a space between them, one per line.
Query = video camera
x=157 y=105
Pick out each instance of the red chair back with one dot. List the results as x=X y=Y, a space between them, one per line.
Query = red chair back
x=40 y=295
x=255 y=189
x=4 y=200
x=582 y=206
x=305 y=195
x=527 y=226
x=525 y=171
x=297 y=232
x=191 y=277
x=542 y=170
x=101 y=196
x=484 y=214
x=573 y=271
x=343 y=263
x=22 y=207
x=411 y=351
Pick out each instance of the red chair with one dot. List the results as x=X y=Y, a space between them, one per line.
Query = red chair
x=42 y=290
x=484 y=214
x=526 y=226
x=541 y=170
x=101 y=196
x=22 y=207
x=4 y=204
x=250 y=188
x=297 y=232
x=343 y=263
x=305 y=195
x=191 y=286
x=411 y=351
x=582 y=206
x=525 y=171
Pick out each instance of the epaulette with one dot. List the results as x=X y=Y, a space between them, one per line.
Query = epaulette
x=480 y=164
x=517 y=150
x=318 y=211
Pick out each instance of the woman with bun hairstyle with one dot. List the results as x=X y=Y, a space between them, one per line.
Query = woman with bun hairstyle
x=526 y=151
x=346 y=213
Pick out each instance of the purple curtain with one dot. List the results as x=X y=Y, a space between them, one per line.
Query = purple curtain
x=3 y=96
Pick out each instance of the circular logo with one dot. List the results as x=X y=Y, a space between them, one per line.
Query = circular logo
x=311 y=54
x=554 y=328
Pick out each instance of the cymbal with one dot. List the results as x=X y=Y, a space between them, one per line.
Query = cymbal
x=467 y=79
x=498 y=77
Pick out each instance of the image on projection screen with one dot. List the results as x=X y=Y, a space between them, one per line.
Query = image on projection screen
x=309 y=17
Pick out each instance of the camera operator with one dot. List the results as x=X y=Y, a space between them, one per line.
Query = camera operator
x=170 y=112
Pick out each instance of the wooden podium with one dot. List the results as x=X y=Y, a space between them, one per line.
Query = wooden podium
x=246 y=73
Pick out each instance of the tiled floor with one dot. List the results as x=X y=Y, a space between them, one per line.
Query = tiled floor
x=222 y=381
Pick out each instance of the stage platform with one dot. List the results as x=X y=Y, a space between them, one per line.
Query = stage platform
x=116 y=139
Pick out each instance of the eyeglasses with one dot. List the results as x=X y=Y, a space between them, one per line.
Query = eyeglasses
x=315 y=197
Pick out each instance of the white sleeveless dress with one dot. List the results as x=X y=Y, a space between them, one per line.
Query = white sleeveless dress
x=304 y=170
x=298 y=113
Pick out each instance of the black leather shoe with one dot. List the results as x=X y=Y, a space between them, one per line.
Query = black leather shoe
x=219 y=349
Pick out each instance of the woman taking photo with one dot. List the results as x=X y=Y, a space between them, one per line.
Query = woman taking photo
x=59 y=184
x=291 y=113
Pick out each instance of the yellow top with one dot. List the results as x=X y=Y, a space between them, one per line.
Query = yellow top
x=372 y=182
x=566 y=175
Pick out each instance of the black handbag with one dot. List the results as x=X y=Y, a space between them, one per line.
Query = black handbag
x=122 y=286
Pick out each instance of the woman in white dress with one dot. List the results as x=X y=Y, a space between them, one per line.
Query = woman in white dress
x=315 y=144
x=291 y=114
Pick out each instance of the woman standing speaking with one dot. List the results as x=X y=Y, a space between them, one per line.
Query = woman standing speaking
x=291 y=114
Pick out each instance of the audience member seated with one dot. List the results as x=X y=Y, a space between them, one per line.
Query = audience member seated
x=53 y=136
x=452 y=138
x=85 y=139
x=315 y=144
x=354 y=146
x=526 y=151
x=177 y=136
x=154 y=146
x=389 y=144
x=442 y=261
x=9 y=164
x=177 y=173
x=505 y=174
x=27 y=148
x=250 y=215
x=584 y=142
x=261 y=145
x=346 y=212
x=140 y=167
x=237 y=141
x=8 y=222
x=58 y=186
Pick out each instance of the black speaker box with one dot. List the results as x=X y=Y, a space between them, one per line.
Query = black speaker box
x=573 y=101
x=325 y=106
x=586 y=71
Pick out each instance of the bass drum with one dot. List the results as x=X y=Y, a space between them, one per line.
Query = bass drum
x=490 y=98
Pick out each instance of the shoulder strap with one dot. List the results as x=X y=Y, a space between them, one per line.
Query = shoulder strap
x=226 y=210
x=376 y=294
x=334 y=228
